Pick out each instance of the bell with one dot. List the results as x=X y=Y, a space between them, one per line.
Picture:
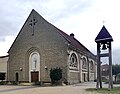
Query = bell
x=104 y=47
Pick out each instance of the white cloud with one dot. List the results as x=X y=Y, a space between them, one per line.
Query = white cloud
x=82 y=17
x=5 y=45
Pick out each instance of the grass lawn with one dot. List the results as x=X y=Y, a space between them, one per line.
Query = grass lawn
x=115 y=90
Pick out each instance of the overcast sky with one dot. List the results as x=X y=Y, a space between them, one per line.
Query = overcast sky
x=84 y=18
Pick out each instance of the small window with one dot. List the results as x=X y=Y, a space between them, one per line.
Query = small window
x=2 y=76
x=17 y=77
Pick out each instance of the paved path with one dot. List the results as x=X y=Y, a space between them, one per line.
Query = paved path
x=9 y=88
x=70 y=89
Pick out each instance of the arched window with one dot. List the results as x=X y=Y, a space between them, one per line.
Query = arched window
x=73 y=61
x=84 y=63
x=34 y=60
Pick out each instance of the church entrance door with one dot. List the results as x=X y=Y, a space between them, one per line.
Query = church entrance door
x=34 y=76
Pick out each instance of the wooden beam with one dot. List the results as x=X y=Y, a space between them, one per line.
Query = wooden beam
x=104 y=55
x=110 y=68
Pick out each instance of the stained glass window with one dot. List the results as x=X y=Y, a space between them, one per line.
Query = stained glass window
x=73 y=61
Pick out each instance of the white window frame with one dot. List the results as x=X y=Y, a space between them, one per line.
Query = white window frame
x=77 y=61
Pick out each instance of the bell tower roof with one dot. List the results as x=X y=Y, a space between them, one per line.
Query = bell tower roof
x=103 y=35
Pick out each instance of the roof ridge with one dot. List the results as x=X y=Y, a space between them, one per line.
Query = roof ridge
x=71 y=39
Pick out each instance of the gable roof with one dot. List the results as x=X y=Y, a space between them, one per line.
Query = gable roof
x=103 y=35
x=74 y=42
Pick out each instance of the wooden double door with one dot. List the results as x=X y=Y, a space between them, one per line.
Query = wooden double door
x=35 y=76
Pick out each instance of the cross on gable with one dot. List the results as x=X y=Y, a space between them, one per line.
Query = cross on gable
x=33 y=21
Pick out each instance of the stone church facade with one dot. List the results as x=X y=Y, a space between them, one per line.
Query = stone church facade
x=41 y=46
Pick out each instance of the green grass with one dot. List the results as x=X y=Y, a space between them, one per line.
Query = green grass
x=115 y=90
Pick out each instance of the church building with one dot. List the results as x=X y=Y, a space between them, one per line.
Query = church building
x=40 y=46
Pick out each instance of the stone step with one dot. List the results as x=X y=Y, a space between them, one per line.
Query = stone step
x=27 y=84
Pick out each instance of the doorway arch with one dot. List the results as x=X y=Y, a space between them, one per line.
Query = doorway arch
x=34 y=67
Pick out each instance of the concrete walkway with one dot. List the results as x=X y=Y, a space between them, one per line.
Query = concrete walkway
x=70 y=89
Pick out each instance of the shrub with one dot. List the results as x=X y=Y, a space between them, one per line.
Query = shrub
x=14 y=83
x=2 y=83
x=55 y=75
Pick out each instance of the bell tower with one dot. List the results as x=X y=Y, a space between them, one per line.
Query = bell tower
x=103 y=41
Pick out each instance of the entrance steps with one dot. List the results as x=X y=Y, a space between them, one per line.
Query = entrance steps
x=27 y=84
